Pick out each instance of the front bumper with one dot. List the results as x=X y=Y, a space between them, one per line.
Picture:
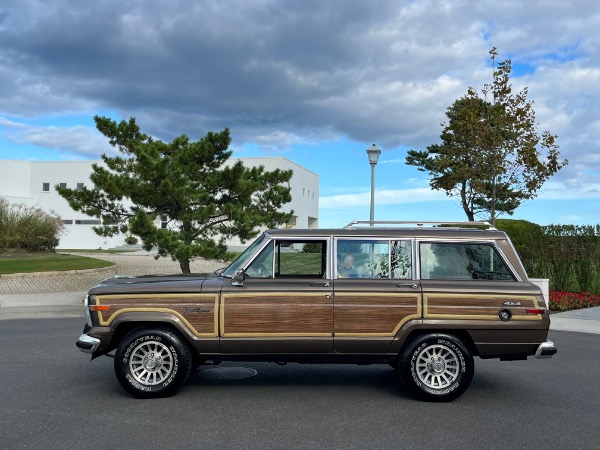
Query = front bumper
x=546 y=350
x=87 y=344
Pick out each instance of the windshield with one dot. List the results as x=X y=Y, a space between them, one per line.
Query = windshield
x=235 y=265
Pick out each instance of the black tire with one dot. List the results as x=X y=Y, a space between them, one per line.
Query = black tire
x=152 y=362
x=436 y=367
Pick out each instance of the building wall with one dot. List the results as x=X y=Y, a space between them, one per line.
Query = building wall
x=22 y=182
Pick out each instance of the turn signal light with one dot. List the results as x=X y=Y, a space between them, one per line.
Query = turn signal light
x=536 y=311
x=100 y=307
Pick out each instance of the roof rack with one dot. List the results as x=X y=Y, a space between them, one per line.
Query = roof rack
x=367 y=223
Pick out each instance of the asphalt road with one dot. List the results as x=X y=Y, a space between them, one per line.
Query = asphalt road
x=52 y=396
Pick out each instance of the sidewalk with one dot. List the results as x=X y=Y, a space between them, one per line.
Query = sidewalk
x=585 y=320
x=61 y=295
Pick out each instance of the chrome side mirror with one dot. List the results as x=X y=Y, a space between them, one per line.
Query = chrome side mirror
x=238 y=278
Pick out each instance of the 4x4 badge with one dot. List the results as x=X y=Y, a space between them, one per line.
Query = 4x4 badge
x=512 y=303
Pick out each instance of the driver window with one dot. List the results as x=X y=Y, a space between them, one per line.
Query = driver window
x=290 y=259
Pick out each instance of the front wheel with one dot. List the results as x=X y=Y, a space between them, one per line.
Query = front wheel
x=152 y=362
x=436 y=367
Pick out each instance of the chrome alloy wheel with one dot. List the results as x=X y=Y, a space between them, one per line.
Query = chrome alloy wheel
x=437 y=366
x=151 y=363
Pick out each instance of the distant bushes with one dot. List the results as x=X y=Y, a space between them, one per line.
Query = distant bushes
x=28 y=227
x=568 y=255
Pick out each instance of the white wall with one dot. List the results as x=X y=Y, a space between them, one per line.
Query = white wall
x=21 y=182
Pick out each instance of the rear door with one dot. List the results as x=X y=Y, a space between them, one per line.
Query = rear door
x=375 y=293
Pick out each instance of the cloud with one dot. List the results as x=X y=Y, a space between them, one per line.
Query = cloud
x=78 y=140
x=382 y=197
x=279 y=72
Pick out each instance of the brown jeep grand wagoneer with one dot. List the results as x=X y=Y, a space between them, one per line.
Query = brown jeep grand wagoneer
x=423 y=299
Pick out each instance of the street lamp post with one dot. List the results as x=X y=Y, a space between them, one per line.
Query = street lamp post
x=373 y=152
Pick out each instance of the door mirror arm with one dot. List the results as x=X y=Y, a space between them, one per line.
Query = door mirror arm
x=238 y=278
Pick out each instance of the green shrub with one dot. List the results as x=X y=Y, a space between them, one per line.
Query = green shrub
x=131 y=240
x=312 y=247
x=28 y=227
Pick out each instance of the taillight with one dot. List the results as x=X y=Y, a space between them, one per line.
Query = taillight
x=536 y=311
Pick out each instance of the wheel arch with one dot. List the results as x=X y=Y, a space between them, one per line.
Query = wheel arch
x=409 y=333
x=127 y=322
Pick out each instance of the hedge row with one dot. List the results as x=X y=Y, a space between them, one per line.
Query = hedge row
x=568 y=255
x=28 y=227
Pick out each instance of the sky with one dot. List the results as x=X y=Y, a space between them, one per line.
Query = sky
x=317 y=82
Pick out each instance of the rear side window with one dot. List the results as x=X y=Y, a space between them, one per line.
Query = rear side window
x=374 y=259
x=462 y=261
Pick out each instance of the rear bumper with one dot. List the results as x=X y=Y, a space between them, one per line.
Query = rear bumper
x=87 y=344
x=546 y=350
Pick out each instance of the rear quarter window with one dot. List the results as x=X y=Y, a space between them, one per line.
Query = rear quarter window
x=462 y=261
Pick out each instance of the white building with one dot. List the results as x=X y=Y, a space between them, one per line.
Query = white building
x=32 y=183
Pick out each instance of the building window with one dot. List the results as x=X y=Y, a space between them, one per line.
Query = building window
x=164 y=220
x=88 y=222
x=313 y=196
x=45 y=187
x=80 y=186
x=68 y=222
x=62 y=185
x=303 y=192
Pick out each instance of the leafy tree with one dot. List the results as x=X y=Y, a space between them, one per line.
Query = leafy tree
x=491 y=156
x=179 y=197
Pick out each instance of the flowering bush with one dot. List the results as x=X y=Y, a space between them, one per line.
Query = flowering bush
x=564 y=301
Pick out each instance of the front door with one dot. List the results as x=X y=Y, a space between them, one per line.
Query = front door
x=284 y=305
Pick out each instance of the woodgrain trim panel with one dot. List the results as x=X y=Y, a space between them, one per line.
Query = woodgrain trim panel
x=269 y=313
x=483 y=306
x=380 y=316
x=199 y=323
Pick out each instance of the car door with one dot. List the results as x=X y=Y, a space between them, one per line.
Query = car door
x=375 y=293
x=285 y=303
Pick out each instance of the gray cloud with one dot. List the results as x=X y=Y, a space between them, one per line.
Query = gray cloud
x=278 y=72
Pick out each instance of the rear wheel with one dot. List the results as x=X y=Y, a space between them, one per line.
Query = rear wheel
x=152 y=362
x=436 y=367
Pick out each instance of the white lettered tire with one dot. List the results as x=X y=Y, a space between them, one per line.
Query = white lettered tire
x=436 y=367
x=152 y=362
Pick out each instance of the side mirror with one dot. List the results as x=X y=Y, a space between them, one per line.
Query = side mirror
x=238 y=278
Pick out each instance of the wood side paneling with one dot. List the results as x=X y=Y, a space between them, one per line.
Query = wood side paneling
x=478 y=306
x=198 y=311
x=360 y=314
x=276 y=314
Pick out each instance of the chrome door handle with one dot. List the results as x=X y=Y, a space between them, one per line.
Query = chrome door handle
x=412 y=285
x=319 y=284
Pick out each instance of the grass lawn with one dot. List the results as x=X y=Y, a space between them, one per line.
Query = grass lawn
x=46 y=261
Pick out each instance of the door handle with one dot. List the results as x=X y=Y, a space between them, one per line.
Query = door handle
x=412 y=285
x=319 y=284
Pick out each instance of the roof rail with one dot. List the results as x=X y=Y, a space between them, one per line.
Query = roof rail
x=419 y=224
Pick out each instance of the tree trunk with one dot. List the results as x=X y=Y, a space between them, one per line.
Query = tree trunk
x=185 y=266
x=465 y=203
